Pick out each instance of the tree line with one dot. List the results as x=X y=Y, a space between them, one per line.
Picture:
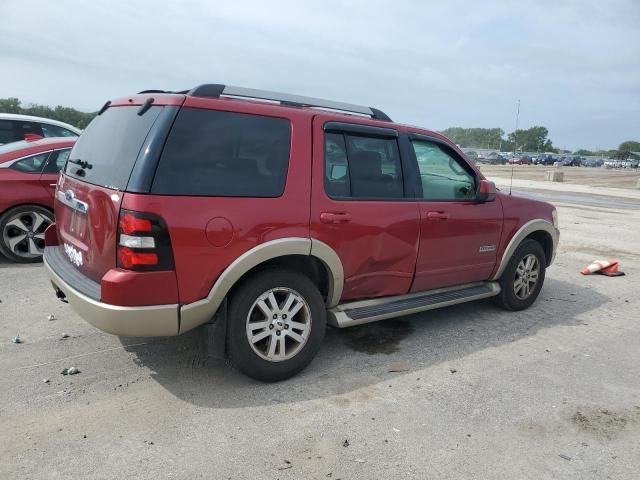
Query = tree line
x=628 y=149
x=534 y=139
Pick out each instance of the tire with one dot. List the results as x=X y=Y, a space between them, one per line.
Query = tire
x=22 y=233
x=251 y=311
x=516 y=295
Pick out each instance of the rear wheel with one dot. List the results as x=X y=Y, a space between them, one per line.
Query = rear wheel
x=22 y=233
x=522 y=280
x=277 y=321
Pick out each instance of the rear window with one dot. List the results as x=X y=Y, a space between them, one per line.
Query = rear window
x=107 y=150
x=226 y=154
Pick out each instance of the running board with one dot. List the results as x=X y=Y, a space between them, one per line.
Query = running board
x=365 y=311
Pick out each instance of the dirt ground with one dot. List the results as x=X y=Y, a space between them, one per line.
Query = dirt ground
x=550 y=392
x=592 y=177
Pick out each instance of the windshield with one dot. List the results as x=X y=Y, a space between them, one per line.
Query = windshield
x=107 y=150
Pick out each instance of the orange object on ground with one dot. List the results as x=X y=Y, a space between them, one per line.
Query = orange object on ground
x=603 y=267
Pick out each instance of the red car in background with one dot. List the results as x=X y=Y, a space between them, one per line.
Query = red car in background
x=28 y=176
x=522 y=160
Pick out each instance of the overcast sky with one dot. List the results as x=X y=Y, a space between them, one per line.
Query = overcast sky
x=575 y=65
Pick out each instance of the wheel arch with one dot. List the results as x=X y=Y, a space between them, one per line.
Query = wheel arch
x=313 y=258
x=546 y=241
x=26 y=204
x=539 y=230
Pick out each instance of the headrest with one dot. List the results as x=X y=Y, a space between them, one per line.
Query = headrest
x=366 y=164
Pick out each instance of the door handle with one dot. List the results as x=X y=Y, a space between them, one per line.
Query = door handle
x=437 y=215
x=53 y=184
x=333 y=217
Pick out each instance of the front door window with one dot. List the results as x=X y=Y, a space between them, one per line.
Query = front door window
x=442 y=176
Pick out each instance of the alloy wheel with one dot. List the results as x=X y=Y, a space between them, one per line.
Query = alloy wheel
x=23 y=234
x=527 y=274
x=278 y=324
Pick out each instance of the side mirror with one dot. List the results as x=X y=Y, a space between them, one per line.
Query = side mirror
x=486 y=191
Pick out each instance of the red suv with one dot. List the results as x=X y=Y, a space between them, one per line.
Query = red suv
x=269 y=216
x=28 y=176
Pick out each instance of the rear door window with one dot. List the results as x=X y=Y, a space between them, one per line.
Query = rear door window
x=107 y=150
x=32 y=164
x=226 y=154
x=362 y=167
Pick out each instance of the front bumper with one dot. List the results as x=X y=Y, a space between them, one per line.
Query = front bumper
x=146 y=321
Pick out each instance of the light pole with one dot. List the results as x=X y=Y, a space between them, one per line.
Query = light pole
x=515 y=132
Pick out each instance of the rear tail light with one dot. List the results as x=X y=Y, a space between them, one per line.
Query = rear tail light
x=143 y=242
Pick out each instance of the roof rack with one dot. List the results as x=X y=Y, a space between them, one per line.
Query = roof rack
x=214 y=90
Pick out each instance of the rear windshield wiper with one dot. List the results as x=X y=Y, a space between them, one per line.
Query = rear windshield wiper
x=83 y=164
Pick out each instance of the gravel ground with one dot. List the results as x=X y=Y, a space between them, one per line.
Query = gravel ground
x=551 y=392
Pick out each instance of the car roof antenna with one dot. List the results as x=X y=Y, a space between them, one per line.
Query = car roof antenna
x=515 y=138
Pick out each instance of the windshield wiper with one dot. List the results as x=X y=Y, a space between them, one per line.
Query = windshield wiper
x=83 y=164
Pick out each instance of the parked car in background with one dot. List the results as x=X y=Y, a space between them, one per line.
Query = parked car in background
x=270 y=217
x=520 y=160
x=630 y=163
x=544 y=159
x=497 y=159
x=571 y=161
x=592 y=162
x=15 y=127
x=611 y=163
x=493 y=159
x=472 y=155
x=28 y=177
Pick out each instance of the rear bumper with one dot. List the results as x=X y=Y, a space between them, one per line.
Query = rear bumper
x=145 y=321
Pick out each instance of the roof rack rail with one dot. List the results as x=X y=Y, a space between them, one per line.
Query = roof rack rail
x=215 y=90
x=153 y=91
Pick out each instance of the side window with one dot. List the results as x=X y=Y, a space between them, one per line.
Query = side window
x=336 y=178
x=7 y=135
x=362 y=167
x=57 y=160
x=32 y=164
x=224 y=154
x=23 y=128
x=56 y=131
x=442 y=176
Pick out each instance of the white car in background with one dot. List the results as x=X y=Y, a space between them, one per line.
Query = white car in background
x=14 y=127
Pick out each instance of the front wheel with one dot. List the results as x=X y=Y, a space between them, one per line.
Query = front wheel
x=277 y=321
x=522 y=280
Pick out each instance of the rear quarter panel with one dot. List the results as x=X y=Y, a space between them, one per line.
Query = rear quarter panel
x=247 y=222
